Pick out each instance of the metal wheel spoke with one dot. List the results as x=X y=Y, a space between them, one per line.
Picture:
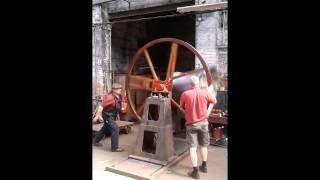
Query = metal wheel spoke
x=172 y=61
x=139 y=87
x=140 y=108
x=188 y=73
x=146 y=53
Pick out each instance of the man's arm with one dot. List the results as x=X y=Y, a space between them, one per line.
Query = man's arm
x=211 y=98
x=98 y=113
x=108 y=101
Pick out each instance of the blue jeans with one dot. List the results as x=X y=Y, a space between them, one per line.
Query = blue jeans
x=111 y=127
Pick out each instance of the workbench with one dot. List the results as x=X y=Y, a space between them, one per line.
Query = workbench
x=216 y=121
x=215 y=118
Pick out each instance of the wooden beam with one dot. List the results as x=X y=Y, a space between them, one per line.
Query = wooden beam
x=203 y=7
x=100 y=1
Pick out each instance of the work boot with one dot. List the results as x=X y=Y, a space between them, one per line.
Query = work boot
x=203 y=168
x=117 y=150
x=194 y=174
x=97 y=144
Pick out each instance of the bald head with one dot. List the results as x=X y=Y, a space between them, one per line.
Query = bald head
x=194 y=81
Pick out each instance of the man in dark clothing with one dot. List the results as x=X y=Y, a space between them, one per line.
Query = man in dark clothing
x=110 y=108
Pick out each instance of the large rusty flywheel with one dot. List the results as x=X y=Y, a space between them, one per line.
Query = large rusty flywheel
x=162 y=74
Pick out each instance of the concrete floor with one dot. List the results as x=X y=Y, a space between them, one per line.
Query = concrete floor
x=102 y=157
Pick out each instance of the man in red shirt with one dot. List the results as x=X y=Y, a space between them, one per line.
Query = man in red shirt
x=195 y=103
x=110 y=108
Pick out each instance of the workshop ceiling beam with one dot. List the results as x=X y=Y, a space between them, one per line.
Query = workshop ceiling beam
x=203 y=7
x=100 y=1
x=151 y=11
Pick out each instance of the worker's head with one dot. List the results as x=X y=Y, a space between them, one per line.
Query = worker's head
x=116 y=88
x=194 y=81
